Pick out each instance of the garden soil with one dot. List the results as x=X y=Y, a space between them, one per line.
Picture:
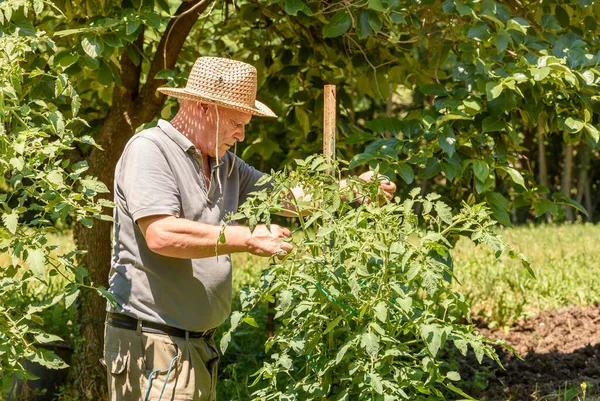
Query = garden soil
x=560 y=350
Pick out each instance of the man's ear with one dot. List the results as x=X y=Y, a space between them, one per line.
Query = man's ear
x=203 y=107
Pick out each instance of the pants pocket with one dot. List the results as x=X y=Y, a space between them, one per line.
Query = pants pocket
x=159 y=354
x=119 y=386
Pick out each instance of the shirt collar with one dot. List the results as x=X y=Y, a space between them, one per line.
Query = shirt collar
x=184 y=143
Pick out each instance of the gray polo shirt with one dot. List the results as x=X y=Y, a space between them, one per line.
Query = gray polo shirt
x=160 y=172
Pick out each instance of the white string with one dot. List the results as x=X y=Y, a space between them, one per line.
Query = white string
x=234 y=157
x=217 y=150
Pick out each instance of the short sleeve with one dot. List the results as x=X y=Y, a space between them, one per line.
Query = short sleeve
x=147 y=181
x=248 y=176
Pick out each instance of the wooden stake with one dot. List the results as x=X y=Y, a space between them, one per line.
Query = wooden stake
x=329 y=124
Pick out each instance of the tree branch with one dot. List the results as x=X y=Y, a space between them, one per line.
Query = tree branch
x=130 y=73
x=170 y=45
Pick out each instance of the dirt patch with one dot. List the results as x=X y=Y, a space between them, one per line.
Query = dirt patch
x=560 y=350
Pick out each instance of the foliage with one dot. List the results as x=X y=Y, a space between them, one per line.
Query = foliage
x=364 y=300
x=42 y=191
x=482 y=78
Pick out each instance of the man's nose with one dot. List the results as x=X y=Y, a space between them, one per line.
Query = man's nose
x=240 y=134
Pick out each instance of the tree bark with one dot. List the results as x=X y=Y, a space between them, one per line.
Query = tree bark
x=583 y=185
x=132 y=105
x=567 y=180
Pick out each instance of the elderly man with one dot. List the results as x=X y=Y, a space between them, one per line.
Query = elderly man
x=174 y=185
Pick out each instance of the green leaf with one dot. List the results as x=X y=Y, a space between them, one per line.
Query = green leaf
x=431 y=169
x=481 y=169
x=499 y=206
x=492 y=124
x=71 y=298
x=55 y=177
x=38 y=6
x=548 y=22
x=454 y=376
x=66 y=59
x=493 y=90
x=457 y=390
x=501 y=41
x=235 y=319
x=375 y=382
x=48 y=359
x=374 y=21
x=593 y=131
x=479 y=32
x=451 y=117
x=303 y=119
x=94 y=185
x=562 y=16
x=517 y=24
x=432 y=335
x=444 y=211
x=75 y=103
x=91 y=46
x=338 y=25
x=224 y=343
x=370 y=342
x=463 y=9
x=37 y=262
x=132 y=26
x=573 y=125
x=363 y=28
x=46 y=338
x=433 y=89
x=58 y=122
x=292 y=7
x=376 y=5
x=447 y=140
x=381 y=311
x=360 y=159
x=11 y=221
x=342 y=351
x=333 y=324
x=515 y=176
x=107 y=294
x=405 y=171
x=540 y=73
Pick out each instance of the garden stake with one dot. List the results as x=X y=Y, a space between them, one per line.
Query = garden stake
x=329 y=125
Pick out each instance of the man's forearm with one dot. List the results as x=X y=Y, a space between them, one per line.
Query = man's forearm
x=182 y=238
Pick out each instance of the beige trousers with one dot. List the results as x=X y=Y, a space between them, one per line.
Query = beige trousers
x=131 y=357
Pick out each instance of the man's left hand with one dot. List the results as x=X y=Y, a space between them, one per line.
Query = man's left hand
x=387 y=189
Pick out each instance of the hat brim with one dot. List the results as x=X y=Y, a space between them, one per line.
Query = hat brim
x=259 y=109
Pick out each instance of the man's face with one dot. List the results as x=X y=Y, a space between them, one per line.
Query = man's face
x=231 y=129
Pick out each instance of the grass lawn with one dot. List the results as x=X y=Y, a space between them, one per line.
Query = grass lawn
x=565 y=259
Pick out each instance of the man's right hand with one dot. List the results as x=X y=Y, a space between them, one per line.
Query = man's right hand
x=262 y=242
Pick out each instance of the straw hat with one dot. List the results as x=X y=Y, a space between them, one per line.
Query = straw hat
x=222 y=81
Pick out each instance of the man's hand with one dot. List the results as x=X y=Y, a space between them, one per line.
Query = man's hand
x=387 y=189
x=262 y=242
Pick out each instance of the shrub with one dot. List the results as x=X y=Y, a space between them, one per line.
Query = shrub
x=364 y=301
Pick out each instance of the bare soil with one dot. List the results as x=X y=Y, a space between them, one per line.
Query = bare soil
x=560 y=350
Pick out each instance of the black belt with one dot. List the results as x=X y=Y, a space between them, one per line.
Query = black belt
x=129 y=323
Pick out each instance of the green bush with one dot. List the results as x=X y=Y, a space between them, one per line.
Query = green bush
x=41 y=192
x=364 y=302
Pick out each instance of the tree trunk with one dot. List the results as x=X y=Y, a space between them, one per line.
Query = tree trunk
x=567 y=180
x=542 y=165
x=583 y=185
x=132 y=105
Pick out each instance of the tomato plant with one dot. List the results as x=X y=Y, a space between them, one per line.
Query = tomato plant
x=364 y=303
